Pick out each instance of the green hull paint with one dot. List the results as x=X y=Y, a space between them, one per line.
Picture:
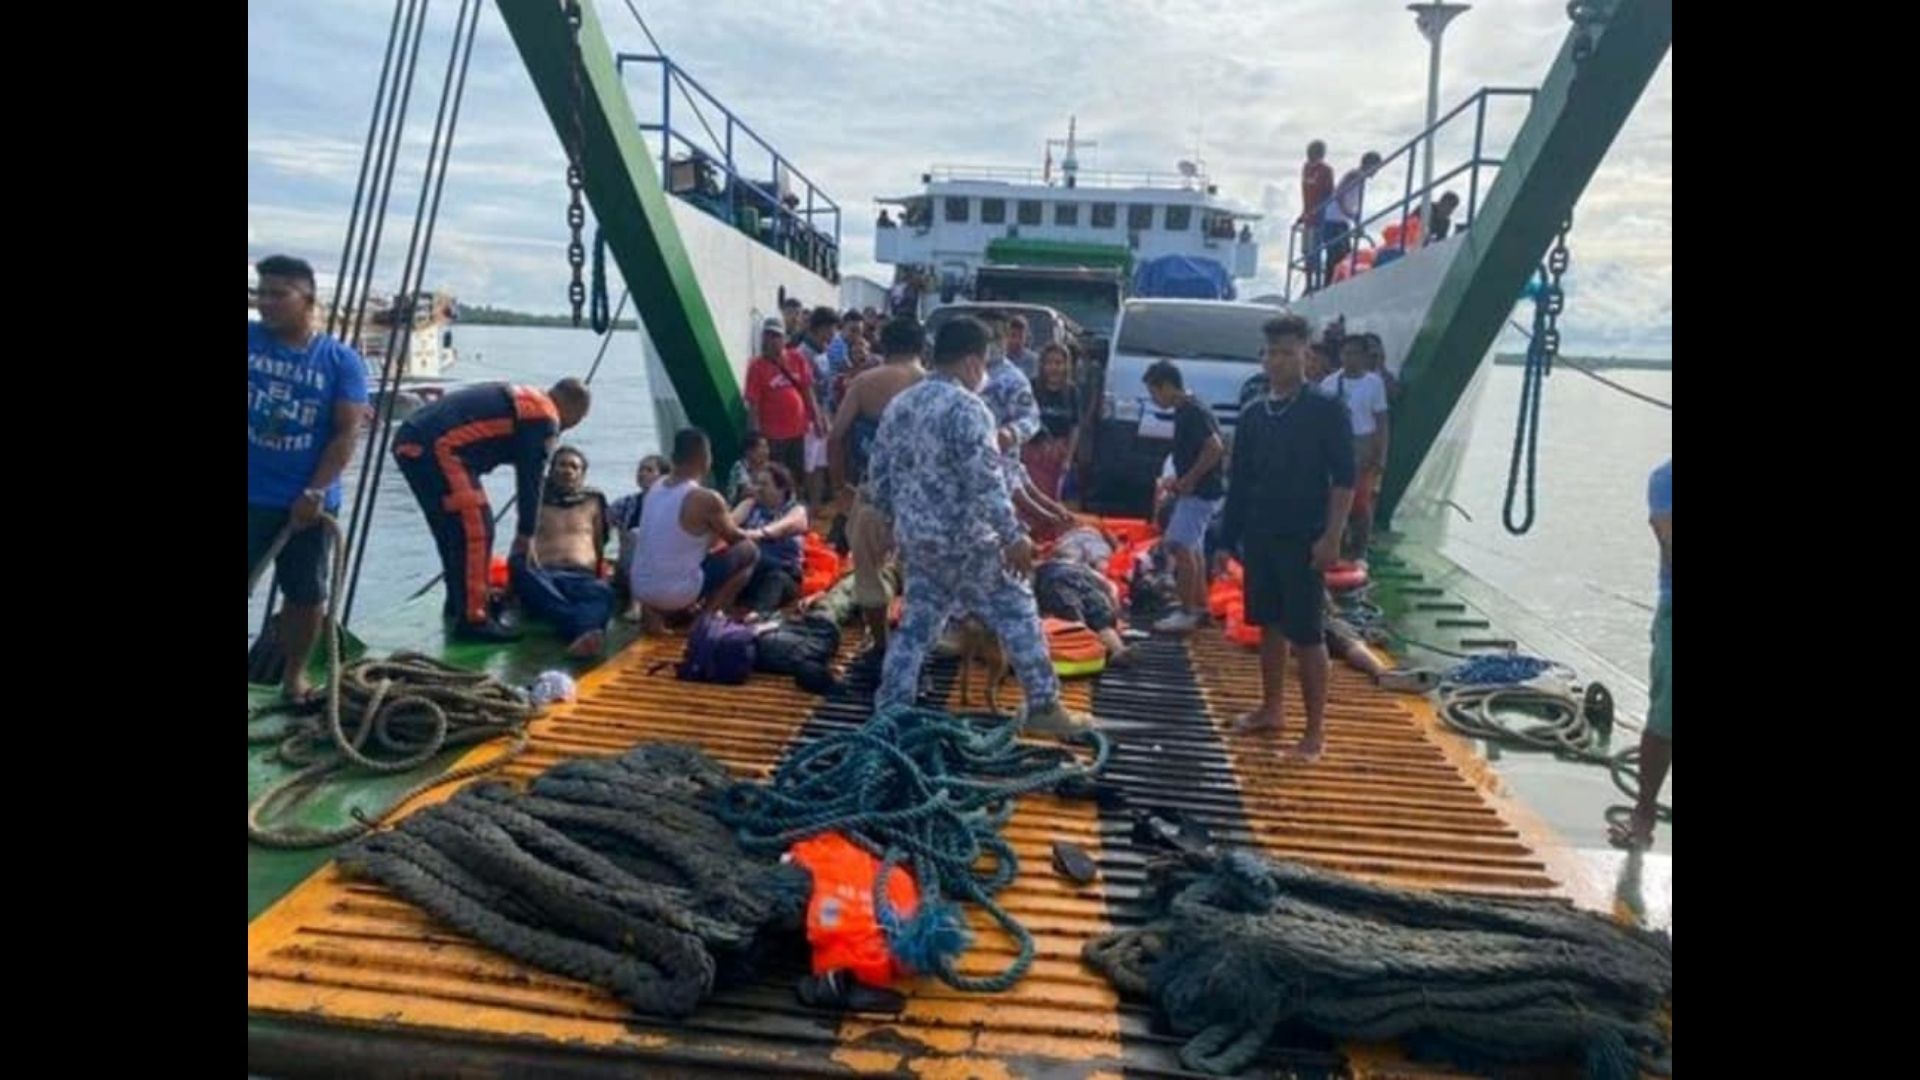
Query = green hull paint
x=414 y=627
x=633 y=212
x=1580 y=108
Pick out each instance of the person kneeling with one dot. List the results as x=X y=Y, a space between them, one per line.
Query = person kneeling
x=676 y=567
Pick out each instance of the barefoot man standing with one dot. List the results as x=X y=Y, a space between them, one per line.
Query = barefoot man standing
x=1290 y=489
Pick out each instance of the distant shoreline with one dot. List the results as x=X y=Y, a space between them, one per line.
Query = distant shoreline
x=1593 y=363
x=482 y=315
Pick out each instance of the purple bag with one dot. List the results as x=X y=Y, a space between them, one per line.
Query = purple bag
x=719 y=650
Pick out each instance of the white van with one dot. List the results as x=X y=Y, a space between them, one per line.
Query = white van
x=1217 y=345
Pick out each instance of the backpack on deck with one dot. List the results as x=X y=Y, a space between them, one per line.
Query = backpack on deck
x=719 y=650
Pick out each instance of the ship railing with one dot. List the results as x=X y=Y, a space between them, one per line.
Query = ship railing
x=711 y=173
x=1306 y=250
x=1083 y=178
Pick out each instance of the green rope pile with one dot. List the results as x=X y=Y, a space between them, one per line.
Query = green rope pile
x=927 y=791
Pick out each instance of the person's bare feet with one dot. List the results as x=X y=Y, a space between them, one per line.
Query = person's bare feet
x=1309 y=748
x=1260 y=721
x=590 y=644
x=297 y=691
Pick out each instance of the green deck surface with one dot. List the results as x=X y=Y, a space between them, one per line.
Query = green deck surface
x=414 y=627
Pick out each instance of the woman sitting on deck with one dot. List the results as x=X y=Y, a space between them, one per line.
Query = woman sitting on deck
x=775 y=514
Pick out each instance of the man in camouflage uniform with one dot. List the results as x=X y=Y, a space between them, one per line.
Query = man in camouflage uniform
x=1009 y=395
x=1016 y=414
x=936 y=472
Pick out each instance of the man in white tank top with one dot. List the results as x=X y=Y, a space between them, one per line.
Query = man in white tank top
x=675 y=566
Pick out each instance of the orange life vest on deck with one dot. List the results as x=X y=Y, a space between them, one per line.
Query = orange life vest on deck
x=841 y=924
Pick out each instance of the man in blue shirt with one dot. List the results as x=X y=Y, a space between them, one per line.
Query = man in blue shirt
x=306 y=398
x=1656 y=742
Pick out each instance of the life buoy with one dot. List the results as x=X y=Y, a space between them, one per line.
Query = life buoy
x=1346 y=576
x=1074 y=649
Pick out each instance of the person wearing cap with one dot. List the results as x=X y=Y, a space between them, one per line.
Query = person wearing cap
x=779 y=393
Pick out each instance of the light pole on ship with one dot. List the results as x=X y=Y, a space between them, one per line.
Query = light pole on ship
x=1432 y=18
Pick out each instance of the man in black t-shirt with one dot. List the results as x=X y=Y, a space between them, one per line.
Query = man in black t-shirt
x=1196 y=491
x=1292 y=488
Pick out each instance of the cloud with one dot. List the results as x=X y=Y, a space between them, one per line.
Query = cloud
x=865 y=95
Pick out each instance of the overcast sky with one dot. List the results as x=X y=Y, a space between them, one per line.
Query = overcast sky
x=863 y=96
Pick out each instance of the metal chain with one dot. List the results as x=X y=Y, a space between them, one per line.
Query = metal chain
x=576 y=157
x=1553 y=299
x=1585 y=16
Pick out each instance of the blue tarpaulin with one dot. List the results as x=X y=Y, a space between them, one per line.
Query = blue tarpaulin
x=1182 y=277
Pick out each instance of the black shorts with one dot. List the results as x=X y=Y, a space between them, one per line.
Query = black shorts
x=301 y=567
x=792 y=453
x=1284 y=590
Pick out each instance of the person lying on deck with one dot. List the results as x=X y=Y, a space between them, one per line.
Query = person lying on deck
x=557 y=579
x=1065 y=588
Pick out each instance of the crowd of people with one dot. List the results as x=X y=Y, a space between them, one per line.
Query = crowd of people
x=939 y=463
x=1332 y=216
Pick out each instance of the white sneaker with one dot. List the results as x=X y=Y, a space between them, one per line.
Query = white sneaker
x=1180 y=622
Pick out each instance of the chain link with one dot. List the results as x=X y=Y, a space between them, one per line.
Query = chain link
x=1553 y=298
x=576 y=157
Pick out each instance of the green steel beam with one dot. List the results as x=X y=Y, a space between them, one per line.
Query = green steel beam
x=632 y=211
x=1580 y=108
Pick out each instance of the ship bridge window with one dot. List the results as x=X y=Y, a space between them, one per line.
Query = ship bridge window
x=1179 y=218
x=1066 y=213
x=956 y=209
x=1140 y=216
x=1103 y=215
x=1029 y=211
x=1219 y=226
x=993 y=211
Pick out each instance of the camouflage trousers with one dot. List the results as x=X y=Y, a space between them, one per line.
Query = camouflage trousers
x=943 y=585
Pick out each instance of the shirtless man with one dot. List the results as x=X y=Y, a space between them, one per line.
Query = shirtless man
x=557 y=580
x=869 y=532
x=676 y=569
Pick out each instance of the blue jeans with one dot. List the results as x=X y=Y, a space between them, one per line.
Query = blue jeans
x=572 y=601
